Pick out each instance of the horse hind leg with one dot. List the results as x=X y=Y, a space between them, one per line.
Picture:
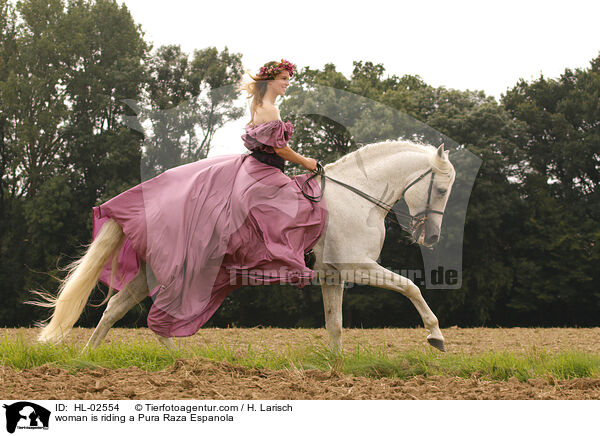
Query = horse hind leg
x=123 y=301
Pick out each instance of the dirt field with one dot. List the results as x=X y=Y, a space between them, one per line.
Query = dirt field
x=204 y=379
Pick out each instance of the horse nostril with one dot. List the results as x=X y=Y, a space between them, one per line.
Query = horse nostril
x=432 y=239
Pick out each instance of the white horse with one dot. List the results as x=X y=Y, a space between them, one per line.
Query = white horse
x=347 y=250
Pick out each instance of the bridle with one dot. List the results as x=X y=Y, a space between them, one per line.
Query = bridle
x=417 y=221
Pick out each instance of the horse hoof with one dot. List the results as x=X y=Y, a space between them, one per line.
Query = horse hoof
x=437 y=343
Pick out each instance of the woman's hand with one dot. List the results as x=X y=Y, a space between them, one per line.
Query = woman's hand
x=310 y=164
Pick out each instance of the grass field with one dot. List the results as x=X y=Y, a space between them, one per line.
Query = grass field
x=367 y=360
x=367 y=354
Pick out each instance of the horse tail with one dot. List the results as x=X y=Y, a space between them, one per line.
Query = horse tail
x=79 y=283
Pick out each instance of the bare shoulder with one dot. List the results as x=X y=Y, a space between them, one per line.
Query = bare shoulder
x=266 y=113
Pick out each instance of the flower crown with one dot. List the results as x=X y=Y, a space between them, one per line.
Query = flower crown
x=272 y=70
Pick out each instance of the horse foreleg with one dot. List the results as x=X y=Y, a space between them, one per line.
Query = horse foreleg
x=375 y=275
x=332 y=304
x=119 y=305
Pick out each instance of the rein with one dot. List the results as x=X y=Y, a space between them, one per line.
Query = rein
x=416 y=221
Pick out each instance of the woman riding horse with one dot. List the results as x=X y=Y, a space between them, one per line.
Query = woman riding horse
x=187 y=235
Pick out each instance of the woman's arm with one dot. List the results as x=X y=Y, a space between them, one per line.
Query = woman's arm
x=271 y=113
x=288 y=154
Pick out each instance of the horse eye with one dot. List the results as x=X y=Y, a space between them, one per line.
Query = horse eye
x=442 y=191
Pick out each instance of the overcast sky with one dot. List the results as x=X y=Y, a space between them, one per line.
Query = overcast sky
x=456 y=44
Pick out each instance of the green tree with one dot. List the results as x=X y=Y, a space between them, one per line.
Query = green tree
x=189 y=100
x=32 y=95
x=7 y=53
x=555 y=257
x=106 y=66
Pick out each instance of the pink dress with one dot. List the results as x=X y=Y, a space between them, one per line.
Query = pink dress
x=211 y=226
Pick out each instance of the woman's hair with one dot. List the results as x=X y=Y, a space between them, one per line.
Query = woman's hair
x=256 y=89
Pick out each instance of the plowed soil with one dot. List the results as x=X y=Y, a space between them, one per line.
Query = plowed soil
x=205 y=379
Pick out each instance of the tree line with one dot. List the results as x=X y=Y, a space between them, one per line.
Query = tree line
x=77 y=77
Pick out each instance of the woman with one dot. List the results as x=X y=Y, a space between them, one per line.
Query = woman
x=209 y=227
x=272 y=81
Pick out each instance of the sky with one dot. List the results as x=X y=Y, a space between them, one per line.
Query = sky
x=475 y=45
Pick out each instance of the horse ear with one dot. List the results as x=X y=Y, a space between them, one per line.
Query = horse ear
x=440 y=151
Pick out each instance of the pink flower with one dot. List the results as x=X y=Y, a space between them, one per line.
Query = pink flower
x=273 y=70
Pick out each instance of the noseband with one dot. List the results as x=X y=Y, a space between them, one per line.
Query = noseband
x=416 y=221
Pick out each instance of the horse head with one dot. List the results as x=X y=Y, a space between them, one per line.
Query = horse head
x=426 y=196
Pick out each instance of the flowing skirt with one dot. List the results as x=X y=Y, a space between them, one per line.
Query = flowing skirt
x=209 y=227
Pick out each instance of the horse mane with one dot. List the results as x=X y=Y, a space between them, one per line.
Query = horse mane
x=390 y=147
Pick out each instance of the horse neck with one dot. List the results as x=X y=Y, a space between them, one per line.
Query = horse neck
x=383 y=171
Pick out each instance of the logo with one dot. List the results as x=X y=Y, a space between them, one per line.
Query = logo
x=26 y=415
